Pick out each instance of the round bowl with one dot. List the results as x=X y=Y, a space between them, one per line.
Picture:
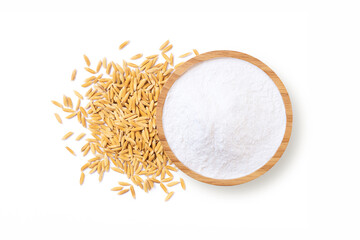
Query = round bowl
x=220 y=54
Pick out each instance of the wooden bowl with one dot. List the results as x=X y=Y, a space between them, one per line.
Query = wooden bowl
x=218 y=54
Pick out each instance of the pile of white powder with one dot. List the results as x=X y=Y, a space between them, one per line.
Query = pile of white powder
x=224 y=118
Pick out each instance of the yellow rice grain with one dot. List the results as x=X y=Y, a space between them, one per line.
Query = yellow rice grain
x=132 y=65
x=167 y=179
x=82 y=110
x=98 y=67
x=93 y=170
x=152 y=56
x=171 y=168
x=163 y=172
x=70 y=102
x=101 y=175
x=108 y=68
x=82 y=177
x=173 y=183
x=71 y=115
x=86 y=151
x=182 y=183
x=137 y=56
x=124 y=183
x=169 y=196
x=185 y=55
x=57 y=104
x=117 y=189
x=83 y=121
x=85 y=166
x=132 y=191
x=80 y=136
x=87 y=61
x=73 y=75
x=78 y=104
x=89 y=70
x=168 y=48
x=66 y=136
x=196 y=52
x=86 y=84
x=117 y=170
x=163 y=188
x=104 y=63
x=178 y=65
x=78 y=95
x=68 y=110
x=166 y=57
x=169 y=173
x=58 y=118
x=65 y=101
x=171 y=59
x=164 y=45
x=71 y=151
x=123 y=191
x=123 y=44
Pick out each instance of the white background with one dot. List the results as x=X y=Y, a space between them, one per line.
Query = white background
x=313 y=191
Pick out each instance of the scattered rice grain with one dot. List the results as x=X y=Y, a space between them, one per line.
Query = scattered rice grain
x=71 y=151
x=66 y=136
x=57 y=104
x=117 y=189
x=185 y=55
x=178 y=65
x=87 y=61
x=98 y=67
x=82 y=177
x=123 y=44
x=124 y=183
x=182 y=183
x=132 y=191
x=81 y=135
x=163 y=188
x=168 y=48
x=58 y=118
x=123 y=191
x=169 y=196
x=137 y=56
x=164 y=45
x=173 y=183
x=73 y=75
x=89 y=70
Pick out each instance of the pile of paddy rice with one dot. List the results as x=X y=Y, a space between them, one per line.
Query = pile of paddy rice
x=120 y=115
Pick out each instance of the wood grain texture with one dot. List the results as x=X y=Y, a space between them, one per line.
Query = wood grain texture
x=218 y=54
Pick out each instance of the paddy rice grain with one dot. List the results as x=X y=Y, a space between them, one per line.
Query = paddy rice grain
x=80 y=136
x=66 y=136
x=164 y=45
x=87 y=61
x=123 y=191
x=82 y=177
x=73 y=75
x=58 y=118
x=169 y=196
x=182 y=183
x=123 y=44
x=185 y=55
x=116 y=188
x=71 y=151
x=137 y=56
